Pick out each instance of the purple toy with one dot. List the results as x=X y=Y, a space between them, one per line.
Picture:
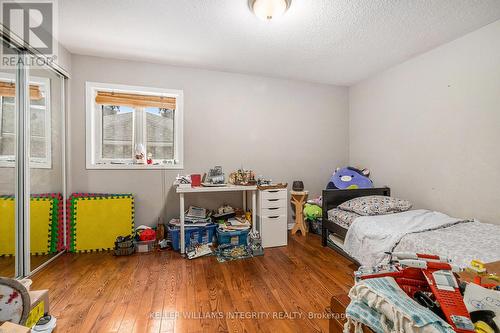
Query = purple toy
x=350 y=178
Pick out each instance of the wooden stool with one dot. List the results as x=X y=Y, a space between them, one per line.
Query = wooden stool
x=298 y=199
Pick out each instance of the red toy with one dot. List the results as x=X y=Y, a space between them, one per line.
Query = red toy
x=147 y=235
x=429 y=274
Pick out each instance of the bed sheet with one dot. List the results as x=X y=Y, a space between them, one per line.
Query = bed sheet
x=462 y=242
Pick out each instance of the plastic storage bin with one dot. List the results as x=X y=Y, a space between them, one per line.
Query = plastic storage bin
x=237 y=237
x=192 y=235
x=145 y=246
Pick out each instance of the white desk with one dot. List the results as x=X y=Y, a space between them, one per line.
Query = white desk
x=228 y=188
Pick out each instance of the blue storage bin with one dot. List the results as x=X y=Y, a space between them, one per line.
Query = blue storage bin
x=192 y=235
x=237 y=237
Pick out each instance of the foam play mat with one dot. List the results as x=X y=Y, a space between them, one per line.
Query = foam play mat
x=7 y=226
x=97 y=219
x=44 y=224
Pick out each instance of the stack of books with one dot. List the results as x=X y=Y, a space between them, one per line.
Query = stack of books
x=235 y=224
x=194 y=217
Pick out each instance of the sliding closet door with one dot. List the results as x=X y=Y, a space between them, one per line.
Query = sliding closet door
x=9 y=261
x=47 y=178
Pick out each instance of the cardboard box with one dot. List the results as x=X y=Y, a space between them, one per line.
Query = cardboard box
x=39 y=306
x=8 y=327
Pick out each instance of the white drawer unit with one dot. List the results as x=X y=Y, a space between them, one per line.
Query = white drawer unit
x=272 y=217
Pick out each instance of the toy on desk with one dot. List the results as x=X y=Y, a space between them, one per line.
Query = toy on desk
x=350 y=178
x=261 y=181
x=430 y=280
x=215 y=177
x=182 y=181
x=242 y=177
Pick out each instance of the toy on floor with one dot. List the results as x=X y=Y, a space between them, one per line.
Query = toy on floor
x=199 y=250
x=255 y=243
x=15 y=301
x=312 y=212
x=46 y=324
x=228 y=252
x=124 y=246
x=480 y=272
x=484 y=321
x=430 y=280
x=146 y=235
x=350 y=178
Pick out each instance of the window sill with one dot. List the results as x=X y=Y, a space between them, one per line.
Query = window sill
x=134 y=167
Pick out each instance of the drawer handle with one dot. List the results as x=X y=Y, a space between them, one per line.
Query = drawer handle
x=272 y=199
x=275 y=191
x=273 y=217
x=274 y=208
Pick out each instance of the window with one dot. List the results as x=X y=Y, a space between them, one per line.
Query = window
x=125 y=121
x=40 y=122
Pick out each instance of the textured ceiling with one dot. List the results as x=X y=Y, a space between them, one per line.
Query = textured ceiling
x=327 y=41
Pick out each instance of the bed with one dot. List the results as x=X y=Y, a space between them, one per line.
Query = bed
x=365 y=239
x=331 y=200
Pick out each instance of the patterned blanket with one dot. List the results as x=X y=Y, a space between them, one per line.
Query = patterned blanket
x=381 y=305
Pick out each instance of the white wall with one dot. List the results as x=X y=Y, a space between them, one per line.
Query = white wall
x=282 y=129
x=430 y=127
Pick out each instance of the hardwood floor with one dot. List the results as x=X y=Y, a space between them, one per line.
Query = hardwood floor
x=286 y=290
x=7 y=263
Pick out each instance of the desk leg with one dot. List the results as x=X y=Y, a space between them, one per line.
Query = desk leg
x=244 y=201
x=254 y=211
x=181 y=214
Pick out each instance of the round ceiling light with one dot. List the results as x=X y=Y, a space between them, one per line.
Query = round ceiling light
x=268 y=10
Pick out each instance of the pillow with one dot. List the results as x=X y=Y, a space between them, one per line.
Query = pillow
x=375 y=205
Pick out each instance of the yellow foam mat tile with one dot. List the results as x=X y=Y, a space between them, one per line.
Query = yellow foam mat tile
x=99 y=221
x=7 y=226
x=40 y=220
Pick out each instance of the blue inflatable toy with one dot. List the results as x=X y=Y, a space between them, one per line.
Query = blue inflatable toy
x=350 y=178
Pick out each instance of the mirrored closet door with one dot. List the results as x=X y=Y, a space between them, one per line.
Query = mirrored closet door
x=32 y=166
x=8 y=175
x=46 y=172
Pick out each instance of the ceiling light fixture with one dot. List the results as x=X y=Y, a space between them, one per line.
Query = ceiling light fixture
x=269 y=10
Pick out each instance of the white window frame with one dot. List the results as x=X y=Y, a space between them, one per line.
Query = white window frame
x=8 y=161
x=94 y=121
